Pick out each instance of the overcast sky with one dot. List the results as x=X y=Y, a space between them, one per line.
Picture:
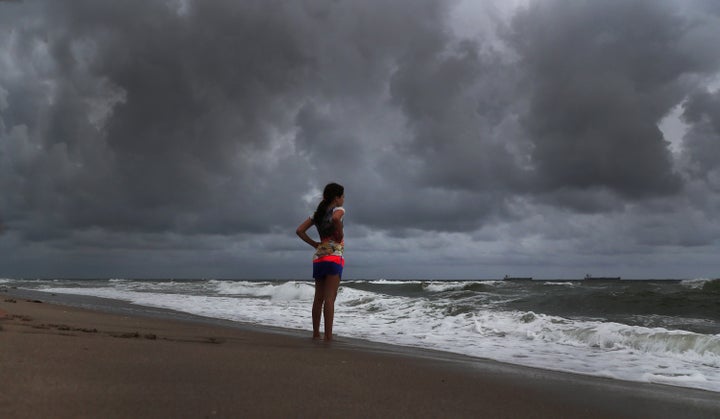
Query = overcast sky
x=476 y=138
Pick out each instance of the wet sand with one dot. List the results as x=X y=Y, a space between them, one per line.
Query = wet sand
x=60 y=361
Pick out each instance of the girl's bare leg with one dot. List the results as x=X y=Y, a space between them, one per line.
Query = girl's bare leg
x=317 y=306
x=331 y=285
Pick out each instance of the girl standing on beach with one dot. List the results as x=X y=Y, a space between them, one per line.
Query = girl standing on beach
x=328 y=261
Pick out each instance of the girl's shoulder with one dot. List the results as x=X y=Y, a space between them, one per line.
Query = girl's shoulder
x=337 y=213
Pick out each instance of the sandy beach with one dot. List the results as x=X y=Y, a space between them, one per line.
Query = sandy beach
x=61 y=361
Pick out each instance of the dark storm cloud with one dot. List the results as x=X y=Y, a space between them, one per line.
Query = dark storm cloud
x=203 y=95
x=456 y=101
x=175 y=120
x=150 y=117
x=702 y=142
x=601 y=75
x=161 y=125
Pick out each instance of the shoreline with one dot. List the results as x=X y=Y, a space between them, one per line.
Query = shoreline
x=149 y=355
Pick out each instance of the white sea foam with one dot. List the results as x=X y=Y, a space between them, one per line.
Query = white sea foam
x=258 y=289
x=441 y=286
x=696 y=283
x=562 y=284
x=389 y=282
x=276 y=291
x=597 y=348
x=293 y=292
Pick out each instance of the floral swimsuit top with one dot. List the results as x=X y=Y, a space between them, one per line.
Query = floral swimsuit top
x=328 y=245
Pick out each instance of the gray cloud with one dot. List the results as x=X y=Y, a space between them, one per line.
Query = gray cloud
x=601 y=77
x=146 y=129
x=702 y=142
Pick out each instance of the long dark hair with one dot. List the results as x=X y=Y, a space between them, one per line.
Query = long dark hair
x=331 y=191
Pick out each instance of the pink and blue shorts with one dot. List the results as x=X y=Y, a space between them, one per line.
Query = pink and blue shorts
x=328 y=265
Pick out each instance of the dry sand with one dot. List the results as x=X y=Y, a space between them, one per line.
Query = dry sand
x=59 y=361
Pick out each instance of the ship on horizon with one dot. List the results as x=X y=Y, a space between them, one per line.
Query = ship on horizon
x=602 y=278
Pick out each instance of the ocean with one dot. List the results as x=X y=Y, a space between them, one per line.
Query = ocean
x=665 y=332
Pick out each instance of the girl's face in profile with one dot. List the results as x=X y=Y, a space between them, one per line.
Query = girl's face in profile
x=340 y=200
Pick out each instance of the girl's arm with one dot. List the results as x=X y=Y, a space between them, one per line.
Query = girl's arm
x=302 y=233
x=338 y=224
